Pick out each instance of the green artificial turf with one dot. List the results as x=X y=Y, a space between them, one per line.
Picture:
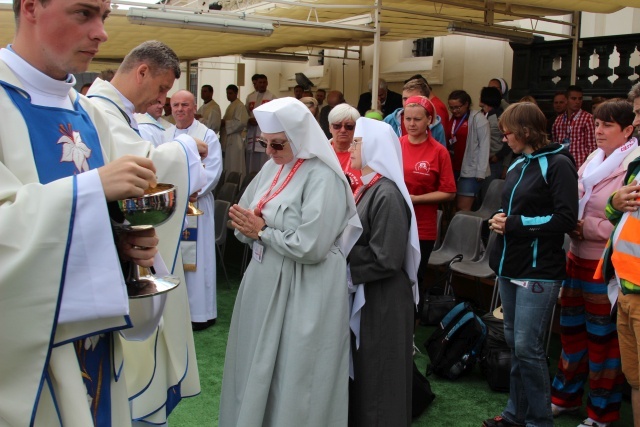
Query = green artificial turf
x=464 y=402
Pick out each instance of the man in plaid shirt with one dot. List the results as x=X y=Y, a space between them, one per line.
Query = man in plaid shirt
x=575 y=127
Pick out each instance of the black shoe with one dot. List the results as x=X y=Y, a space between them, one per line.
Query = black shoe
x=201 y=326
x=498 y=422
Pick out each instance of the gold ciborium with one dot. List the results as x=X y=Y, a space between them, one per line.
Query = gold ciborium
x=153 y=208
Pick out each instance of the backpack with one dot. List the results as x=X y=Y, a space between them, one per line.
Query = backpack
x=495 y=361
x=455 y=345
x=421 y=396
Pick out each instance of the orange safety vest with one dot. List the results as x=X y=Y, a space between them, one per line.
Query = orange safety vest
x=626 y=248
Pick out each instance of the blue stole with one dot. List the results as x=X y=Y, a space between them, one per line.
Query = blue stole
x=65 y=143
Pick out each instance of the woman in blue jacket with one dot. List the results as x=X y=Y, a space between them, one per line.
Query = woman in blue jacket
x=539 y=205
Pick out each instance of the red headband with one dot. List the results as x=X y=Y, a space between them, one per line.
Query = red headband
x=424 y=102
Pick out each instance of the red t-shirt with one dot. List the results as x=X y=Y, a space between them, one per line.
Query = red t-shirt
x=354 y=174
x=460 y=133
x=443 y=112
x=427 y=168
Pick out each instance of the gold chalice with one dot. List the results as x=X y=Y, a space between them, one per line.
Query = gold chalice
x=154 y=208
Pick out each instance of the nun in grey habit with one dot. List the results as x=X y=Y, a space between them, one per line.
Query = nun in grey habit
x=287 y=355
x=383 y=266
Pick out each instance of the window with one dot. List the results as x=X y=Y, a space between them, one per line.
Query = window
x=422 y=47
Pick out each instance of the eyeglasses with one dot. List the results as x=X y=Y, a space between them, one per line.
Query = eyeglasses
x=506 y=134
x=455 y=108
x=346 y=126
x=278 y=146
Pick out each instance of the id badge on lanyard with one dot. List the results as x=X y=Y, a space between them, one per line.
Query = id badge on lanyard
x=258 y=251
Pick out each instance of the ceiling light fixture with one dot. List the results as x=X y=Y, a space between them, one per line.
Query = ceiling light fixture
x=193 y=21
x=268 y=56
x=493 y=32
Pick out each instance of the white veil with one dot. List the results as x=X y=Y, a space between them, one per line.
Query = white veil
x=308 y=140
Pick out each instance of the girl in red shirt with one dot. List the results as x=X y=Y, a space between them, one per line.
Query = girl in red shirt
x=427 y=173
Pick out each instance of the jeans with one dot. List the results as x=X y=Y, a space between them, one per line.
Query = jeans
x=527 y=313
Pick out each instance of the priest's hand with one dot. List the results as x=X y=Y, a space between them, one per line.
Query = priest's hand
x=246 y=221
x=128 y=176
x=139 y=247
x=203 y=148
x=624 y=200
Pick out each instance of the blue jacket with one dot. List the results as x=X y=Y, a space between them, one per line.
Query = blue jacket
x=437 y=131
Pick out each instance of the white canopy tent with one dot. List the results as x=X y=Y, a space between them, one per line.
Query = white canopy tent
x=321 y=24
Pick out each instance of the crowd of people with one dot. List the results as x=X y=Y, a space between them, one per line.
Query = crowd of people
x=340 y=218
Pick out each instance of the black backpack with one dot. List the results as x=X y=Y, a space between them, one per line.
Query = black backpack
x=495 y=361
x=455 y=345
x=422 y=396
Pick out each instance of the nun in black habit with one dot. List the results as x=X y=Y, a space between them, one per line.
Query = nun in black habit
x=383 y=267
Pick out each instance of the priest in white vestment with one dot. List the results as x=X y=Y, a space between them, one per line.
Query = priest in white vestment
x=201 y=278
x=255 y=153
x=151 y=124
x=61 y=284
x=234 y=123
x=160 y=385
x=209 y=113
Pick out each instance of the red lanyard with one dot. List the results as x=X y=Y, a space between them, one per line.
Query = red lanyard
x=366 y=187
x=263 y=201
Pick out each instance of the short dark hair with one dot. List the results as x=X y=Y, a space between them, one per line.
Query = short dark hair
x=634 y=92
x=298 y=86
x=157 y=55
x=321 y=90
x=18 y=3
x=255 y=77
x=573 y=88
x=491 y=96
x=208 y=87
x=233 y=88
x=560 y=92
x=619 y=111
x=461 y=96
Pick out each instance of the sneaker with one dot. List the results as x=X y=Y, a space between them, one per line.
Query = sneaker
x=559 y=410
x=590 y=422
x=499 y=422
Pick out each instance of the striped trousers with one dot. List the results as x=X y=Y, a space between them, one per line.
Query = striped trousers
x=589 y=345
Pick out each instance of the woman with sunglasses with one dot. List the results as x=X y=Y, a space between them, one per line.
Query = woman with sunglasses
x=287 y=353
x=342 y=123
x=539 y=205
x=469 y=147
x=427 y=173
x=383 y=265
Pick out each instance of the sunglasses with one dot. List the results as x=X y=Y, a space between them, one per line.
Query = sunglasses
x=278 y=146
x=346 y=126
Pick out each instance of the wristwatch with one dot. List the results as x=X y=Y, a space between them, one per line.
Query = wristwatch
x=261 y=231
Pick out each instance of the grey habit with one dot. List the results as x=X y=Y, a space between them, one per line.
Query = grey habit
x=287 y=356
x=381 y=389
